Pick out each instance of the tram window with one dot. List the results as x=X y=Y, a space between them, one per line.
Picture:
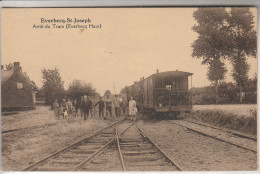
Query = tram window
x=168 y=87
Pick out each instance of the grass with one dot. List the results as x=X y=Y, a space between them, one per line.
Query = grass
x=241 y=123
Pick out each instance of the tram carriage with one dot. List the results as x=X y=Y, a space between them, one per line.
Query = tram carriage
x=165 y=92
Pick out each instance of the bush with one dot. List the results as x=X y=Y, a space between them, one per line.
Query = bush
x=246 y=124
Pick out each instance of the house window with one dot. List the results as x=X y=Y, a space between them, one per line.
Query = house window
x=168 y=87
x=19 y=85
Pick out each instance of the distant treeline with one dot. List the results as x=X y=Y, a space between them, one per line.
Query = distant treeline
x=53 y=88
x=228 y=93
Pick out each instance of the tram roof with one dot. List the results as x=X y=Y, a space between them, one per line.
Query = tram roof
x=172 y=73
x=168 y=73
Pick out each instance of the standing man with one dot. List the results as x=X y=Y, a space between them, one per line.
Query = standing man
x=56 y=108
x=81 y=105
x=108 y=103
x=117 y=106
x=69 y=107
x=101 y=106
x=123 y=105
x=86 y=106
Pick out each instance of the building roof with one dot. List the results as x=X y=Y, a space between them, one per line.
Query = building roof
x=7 y=74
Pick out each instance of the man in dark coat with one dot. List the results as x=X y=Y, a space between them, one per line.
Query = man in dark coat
x=86 y=106
x=109 y=104
x=101 y=105
x=123 y=105
x=81 y=106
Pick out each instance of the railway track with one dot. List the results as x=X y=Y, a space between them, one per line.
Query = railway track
x=139 y=153
x=74 y=156
x=110 y=149
x=107 y=159
x=215 y=137
x=224 y=130
x=30 y=127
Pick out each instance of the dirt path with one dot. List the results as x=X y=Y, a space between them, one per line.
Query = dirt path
x=40 y=116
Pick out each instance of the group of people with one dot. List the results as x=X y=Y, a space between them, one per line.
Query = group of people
x=87 y=109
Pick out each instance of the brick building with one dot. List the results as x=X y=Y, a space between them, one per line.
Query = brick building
x=18 y=91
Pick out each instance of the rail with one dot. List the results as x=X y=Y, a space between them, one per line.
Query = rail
x=42 y=161
x=167 y=156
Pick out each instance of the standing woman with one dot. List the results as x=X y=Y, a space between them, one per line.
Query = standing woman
x=56 y=108
x=132 y=109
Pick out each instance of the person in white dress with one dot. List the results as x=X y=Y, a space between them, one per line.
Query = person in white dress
x=132 y=109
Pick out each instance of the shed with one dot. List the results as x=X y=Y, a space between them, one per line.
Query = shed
x=17 y=90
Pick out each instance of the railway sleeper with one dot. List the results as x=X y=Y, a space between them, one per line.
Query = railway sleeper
x=140 y=159
x=98 y=139
x=51 y=169
x=64 y=162
x=131 y=143
x=89 y=148
x=148 y=163
x=137 y=145
x=105 y=136
x=132 y=153
x=78 y=151
x=144 y=156
x=94 y=169
x=93 y=143
x=98 y=161
x=131 y=139
x=100 y=142
x=73 y=156
x=135 y=149
x=113 y=132
x=153 y=168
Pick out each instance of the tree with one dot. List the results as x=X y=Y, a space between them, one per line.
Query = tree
x=123 y=90
x=226 y=35
x=78 y=88
x=9 y=66
x=242 y=44
x=251 y=90
x=107 y=93
x=52 y=85
x=40 y=95
x=216 y=72
x=211 y=44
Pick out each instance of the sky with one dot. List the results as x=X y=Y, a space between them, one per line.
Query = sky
x=132 y=43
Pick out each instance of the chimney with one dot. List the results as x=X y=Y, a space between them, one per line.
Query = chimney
x=157 y=71
x=17 y=66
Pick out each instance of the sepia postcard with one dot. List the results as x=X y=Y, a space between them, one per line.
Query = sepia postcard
x=129 y=89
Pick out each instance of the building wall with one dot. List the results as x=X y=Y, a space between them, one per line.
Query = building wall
x=13 y=97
